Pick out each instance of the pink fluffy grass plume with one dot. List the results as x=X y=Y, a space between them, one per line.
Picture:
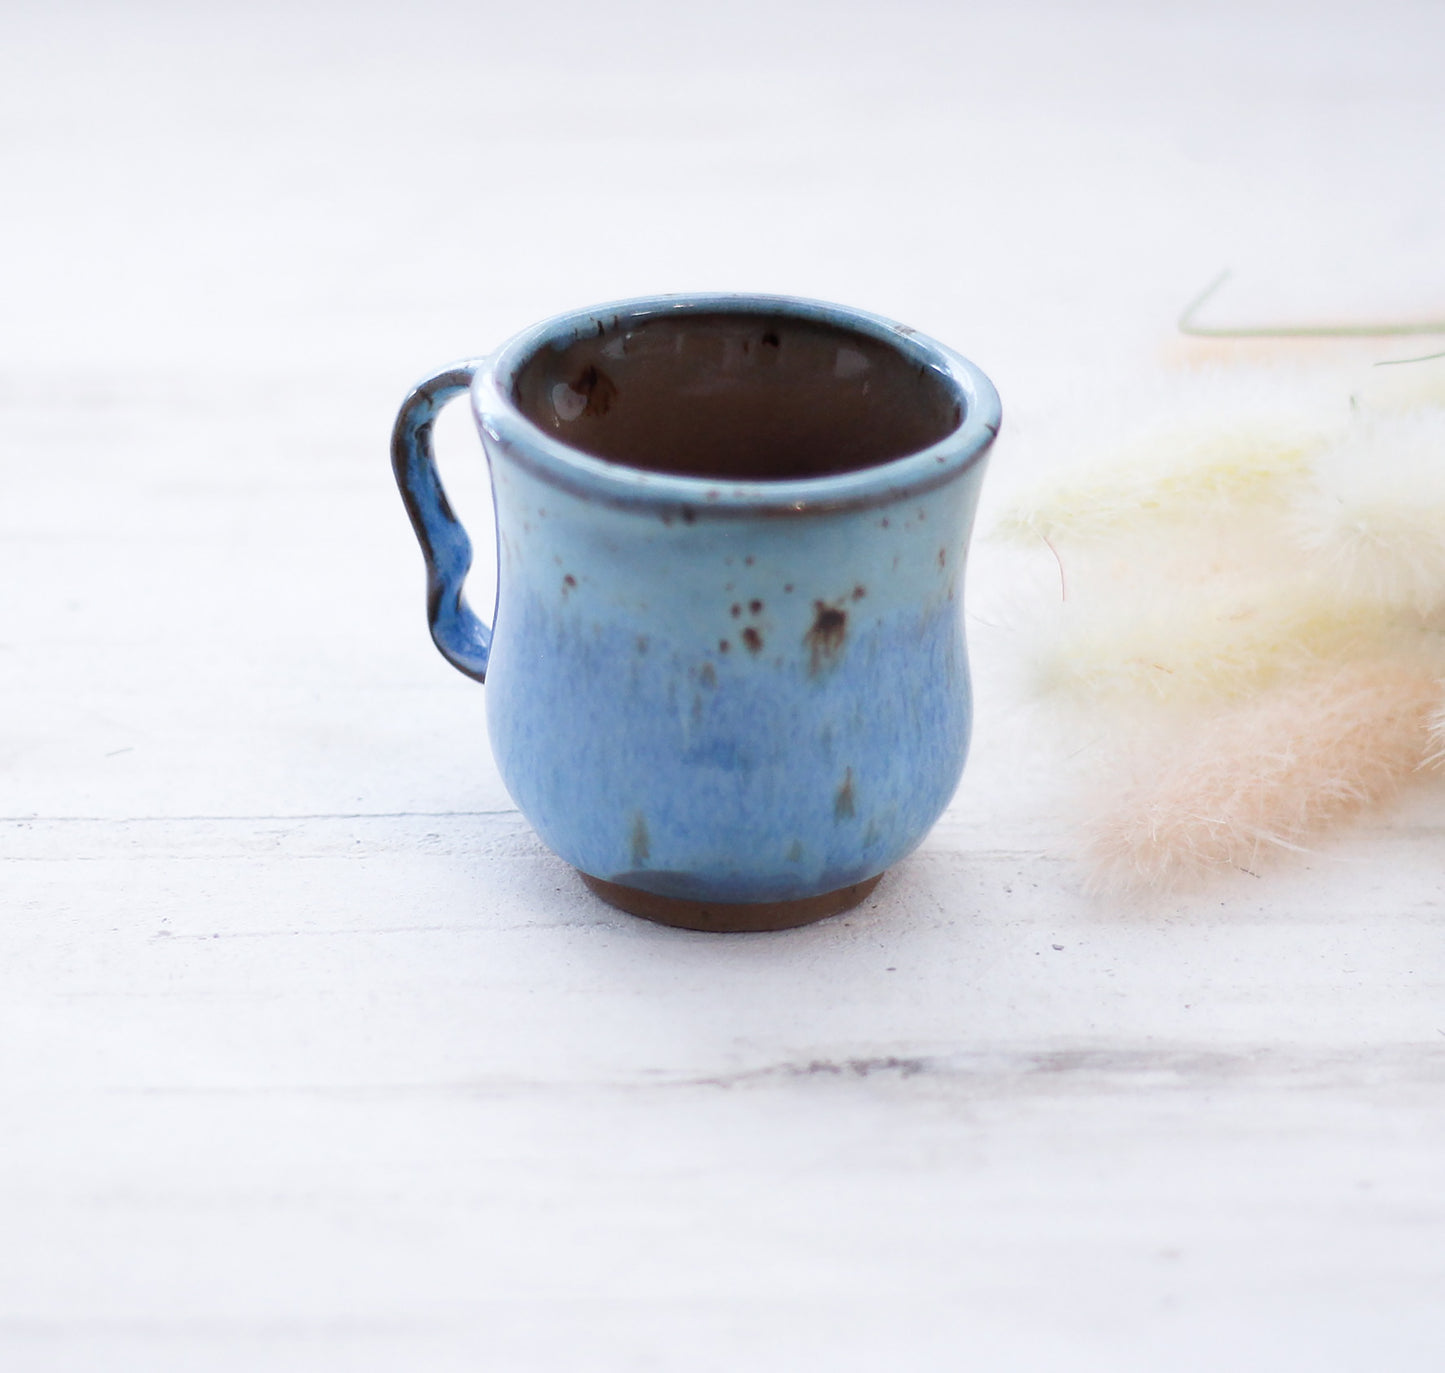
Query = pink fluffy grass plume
x=1266 y=774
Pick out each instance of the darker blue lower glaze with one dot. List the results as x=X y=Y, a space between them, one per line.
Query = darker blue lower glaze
x=719 y=778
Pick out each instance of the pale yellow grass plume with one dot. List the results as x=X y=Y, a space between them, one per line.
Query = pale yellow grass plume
x=1192 y=644
x=1373 y=515
x=1172 y=475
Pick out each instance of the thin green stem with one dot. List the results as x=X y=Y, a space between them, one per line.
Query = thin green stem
x=1187 y=325
x=1400 y=362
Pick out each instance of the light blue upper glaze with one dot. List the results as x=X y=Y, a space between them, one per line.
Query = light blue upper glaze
x=722 y=691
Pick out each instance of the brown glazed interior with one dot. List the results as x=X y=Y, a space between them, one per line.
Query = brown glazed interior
x=736 y=396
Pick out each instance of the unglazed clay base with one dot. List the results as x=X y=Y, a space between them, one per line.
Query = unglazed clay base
x=722 y=917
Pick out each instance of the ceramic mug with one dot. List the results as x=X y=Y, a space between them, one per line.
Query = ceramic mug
x=726 y=672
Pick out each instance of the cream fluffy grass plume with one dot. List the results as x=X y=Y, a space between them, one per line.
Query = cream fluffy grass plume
x=1374 y=512
x=1250 y=617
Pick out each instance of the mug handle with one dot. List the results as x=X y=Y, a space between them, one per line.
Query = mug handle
x=465 y=642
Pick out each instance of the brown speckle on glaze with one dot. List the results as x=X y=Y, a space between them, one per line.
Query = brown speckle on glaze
x=597 y=388
x=641 y=843
x=859 y=592
x=788 y=589
x=723 y=646
x=707 y=675
x=756 y=607
x=752 y=640
x=737 y=610
x=943 y=557
x=843 y=798
x=826 y=638
x=568 y=582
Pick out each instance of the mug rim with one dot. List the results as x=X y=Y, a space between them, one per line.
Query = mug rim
x=617 y=483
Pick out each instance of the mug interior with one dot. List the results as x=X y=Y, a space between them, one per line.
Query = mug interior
x=744 y=396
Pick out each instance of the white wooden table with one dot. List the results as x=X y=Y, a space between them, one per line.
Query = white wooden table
x=311 y=1057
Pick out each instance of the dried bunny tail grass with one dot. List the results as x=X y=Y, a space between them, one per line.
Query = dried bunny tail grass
x=1266 y=775
x=1375 y=513
x=1435 y=751
x=1178 y=474
x=1187 y=646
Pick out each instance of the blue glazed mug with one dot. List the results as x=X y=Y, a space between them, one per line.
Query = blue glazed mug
x=726 y=673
